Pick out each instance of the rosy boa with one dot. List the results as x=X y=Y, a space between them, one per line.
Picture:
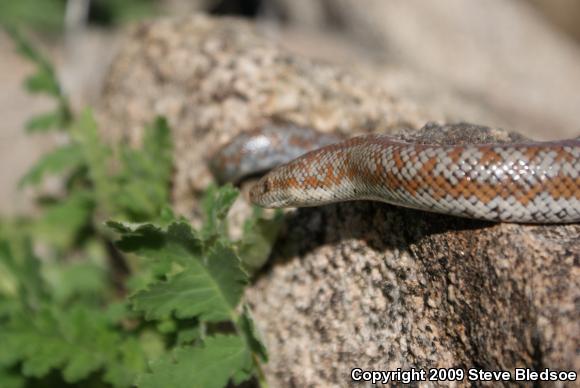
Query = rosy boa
x=533 y=182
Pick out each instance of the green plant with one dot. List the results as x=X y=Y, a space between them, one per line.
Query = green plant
x=164 y=309
x=48 y=15
x=44 y=81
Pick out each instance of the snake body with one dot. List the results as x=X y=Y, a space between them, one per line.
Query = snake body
x=534 y=182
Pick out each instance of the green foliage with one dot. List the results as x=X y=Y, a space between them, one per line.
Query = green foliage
x=48 y=15
x=114 y=12
x=43 y=330
x=72 y=215
x=79 y=341
x=82 y=280
x=160 y=307
x=138 y=187
x=200 y=276
x=215 y=205
x=21 y=281
x=43 y=15
x=145 y=174
x=254 y=342
x=44 y=81
x=209 y=292
x=223 y=357
x=68 y=157
x=258 y=239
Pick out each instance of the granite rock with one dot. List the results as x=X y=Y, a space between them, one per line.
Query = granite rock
x=354 y=284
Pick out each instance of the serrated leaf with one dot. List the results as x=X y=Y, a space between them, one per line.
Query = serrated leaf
x=251 y=334
x=209 y=291
x=175 y=244
x=79 y=341
x=222 y=358
x=163 y=248
x=63 y=158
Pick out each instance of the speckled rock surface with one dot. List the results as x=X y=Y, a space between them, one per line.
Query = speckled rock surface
x=214 y=78
x=357 y=284
x=375 y=286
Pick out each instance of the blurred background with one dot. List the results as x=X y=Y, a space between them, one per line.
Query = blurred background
x=508 y=63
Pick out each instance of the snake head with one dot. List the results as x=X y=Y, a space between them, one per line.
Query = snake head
x=264 y=194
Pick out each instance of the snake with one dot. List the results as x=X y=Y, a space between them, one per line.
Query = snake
x=520 y=182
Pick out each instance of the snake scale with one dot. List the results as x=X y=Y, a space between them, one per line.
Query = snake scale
x=532 y=182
